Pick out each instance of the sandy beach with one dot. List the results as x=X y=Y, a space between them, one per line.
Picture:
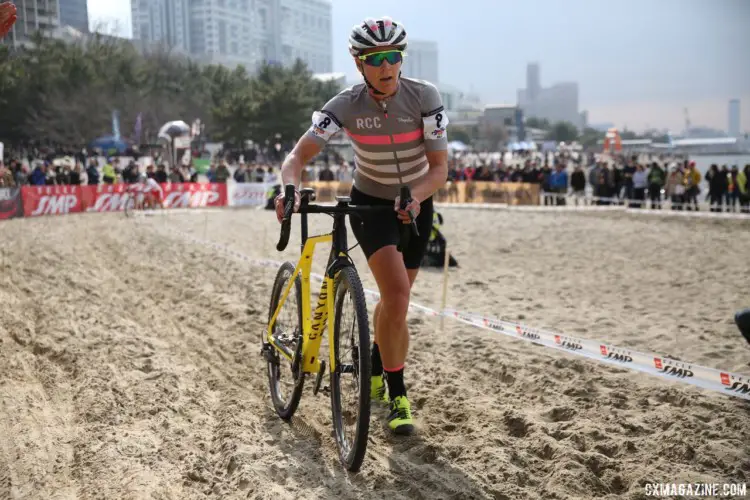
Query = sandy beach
x=131 y=364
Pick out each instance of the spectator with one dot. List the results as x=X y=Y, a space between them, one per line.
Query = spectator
x=744 y=192
x=692 y=179
x=240 y=175
x=640 y=183
x=656 y=180
x=675 y=188
x=558 y=182
x=730 y=197
x=326 y=174
x=578 y=183
x=38 y=176
x=259 y=174
x=109 y=176
x=161 y=174
x=92 y=172
x=222 y=173
x=6 y=176
x=717 y=185
x=83 y=178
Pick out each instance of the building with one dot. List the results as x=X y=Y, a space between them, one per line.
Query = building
x=226 y=32
x=33 y=16
x=305 y=33
x=734 y=118
x=556 y=103
x=421 y=61
x=533 y=81
x=166 y=22
x=74 y=13
x=241 y=32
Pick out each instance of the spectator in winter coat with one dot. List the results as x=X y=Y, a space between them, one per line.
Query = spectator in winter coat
x=578 y=183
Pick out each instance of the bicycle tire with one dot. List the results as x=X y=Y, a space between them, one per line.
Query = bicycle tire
x=285 y=409
x=351 y=456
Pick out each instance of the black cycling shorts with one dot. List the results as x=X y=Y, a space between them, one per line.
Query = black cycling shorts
x=377 y=230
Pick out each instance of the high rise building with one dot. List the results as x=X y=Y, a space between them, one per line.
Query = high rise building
x=33 y=16
x=305 y=33
x=533 y=81
x=162 y=21
x=734 y=118
x=247 y=32
x=556 y=103
x=421 y=61
x=74 y=13
x=225 y=31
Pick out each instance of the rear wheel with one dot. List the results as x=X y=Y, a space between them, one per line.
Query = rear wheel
x=350 y=379
x=284 y=379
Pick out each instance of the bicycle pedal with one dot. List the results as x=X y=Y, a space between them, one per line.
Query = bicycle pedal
x=319 y=377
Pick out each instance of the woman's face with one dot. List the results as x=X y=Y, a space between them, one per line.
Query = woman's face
x=381 y=67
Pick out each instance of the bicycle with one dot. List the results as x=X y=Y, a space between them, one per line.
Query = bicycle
x=298 y=343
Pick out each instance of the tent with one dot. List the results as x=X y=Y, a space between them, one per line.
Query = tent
x=110 y=143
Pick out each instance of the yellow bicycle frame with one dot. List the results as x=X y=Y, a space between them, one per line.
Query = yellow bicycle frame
x=312 y=324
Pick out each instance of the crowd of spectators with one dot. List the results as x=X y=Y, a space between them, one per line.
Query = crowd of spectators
x=582 y=178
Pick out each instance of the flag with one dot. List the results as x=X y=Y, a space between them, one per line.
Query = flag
x=116 y=124
x=138 y=128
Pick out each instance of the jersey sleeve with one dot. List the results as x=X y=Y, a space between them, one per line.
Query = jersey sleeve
x=328 y=121
x=434 y=119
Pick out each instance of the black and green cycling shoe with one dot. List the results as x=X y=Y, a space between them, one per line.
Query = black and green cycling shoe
x=400 y=420
x=378 y=389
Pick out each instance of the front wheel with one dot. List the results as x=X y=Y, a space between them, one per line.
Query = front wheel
x=285 y=380
x=350 y=378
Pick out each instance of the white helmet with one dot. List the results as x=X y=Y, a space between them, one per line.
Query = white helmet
x=383 y=32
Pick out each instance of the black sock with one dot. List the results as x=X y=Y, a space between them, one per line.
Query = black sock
x=396 y=385
x=375 y=361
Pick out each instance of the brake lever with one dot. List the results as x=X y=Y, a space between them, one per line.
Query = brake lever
x=286 y=222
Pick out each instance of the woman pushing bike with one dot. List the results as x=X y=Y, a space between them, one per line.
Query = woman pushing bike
x=397 y=128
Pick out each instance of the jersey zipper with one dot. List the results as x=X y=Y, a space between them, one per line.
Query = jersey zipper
x=384 y=106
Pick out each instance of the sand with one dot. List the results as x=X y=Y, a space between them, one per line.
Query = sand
x=131 y=368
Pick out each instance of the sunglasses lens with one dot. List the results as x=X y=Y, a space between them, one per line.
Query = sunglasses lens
x=378 y=58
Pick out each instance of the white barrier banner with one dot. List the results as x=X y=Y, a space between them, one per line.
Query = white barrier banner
x=724 y=382
x=248 y=194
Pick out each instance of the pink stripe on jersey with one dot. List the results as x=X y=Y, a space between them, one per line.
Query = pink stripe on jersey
x=386 y=139
x=407 y=136
x=370 y=139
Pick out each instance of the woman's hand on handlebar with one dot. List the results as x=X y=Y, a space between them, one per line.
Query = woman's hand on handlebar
x=279 y=204
x=414 y=206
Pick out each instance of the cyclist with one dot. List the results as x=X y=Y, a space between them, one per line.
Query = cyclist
x=152 y=192
x=397 y=128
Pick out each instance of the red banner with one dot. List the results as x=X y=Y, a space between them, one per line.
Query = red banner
x=50 y=200
x=194 y=195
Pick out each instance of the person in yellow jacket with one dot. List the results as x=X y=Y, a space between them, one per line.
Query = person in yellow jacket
x=742 y=178
x=108 y=173
x=692 y=181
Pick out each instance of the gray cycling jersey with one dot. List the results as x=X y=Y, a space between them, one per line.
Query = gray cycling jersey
x=388 y=137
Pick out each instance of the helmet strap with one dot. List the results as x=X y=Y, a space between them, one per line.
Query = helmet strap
x=369 y=85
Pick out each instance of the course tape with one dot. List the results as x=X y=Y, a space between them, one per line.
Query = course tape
x=723 y=382
x=595 y=208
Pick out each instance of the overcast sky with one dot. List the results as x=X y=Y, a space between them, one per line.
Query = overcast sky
x=638 y=63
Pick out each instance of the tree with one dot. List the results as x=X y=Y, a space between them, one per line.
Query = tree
x=542 y=124
x=590 y=137
x=64 y=93
x=460 y=134
x=563 y=132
